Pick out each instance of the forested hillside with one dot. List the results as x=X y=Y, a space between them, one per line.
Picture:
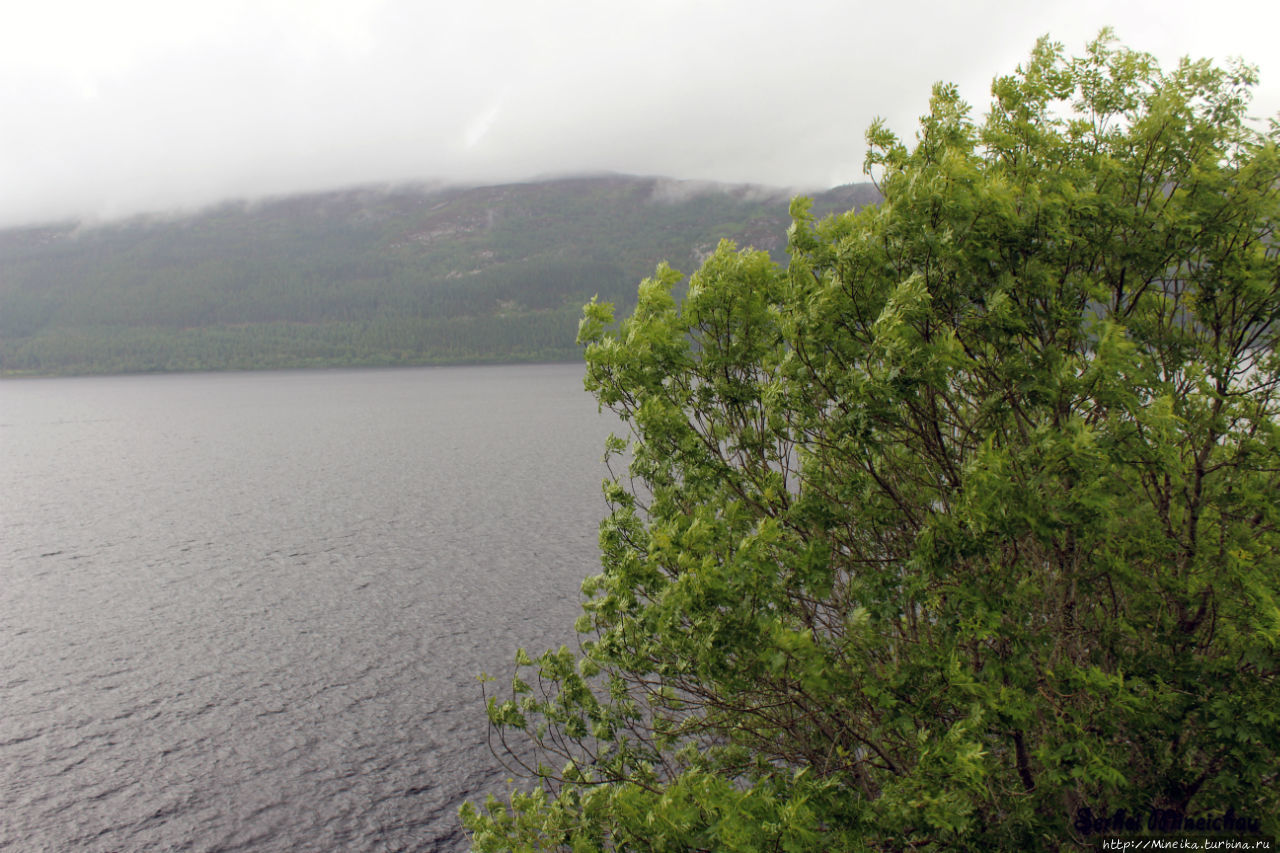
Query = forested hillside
x=363 y=277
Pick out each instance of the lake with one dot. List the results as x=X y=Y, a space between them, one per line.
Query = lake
x=246 y=611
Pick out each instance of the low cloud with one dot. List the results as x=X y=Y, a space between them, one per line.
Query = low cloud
x=168 y=106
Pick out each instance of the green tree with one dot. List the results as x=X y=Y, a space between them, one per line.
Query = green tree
x=963 y=522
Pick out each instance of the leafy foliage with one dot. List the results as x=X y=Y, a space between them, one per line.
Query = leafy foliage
x=963 y=521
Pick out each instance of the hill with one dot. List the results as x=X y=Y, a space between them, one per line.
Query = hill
x=409 y=275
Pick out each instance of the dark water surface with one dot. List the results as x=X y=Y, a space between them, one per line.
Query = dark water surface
x=246 y=611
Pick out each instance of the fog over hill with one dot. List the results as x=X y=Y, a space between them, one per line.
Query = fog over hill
x=365 y=276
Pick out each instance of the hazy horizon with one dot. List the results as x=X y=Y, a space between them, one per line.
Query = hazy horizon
x=666 y=189
x=145 y=106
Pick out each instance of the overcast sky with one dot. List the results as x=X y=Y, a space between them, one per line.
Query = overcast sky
x=127 y=106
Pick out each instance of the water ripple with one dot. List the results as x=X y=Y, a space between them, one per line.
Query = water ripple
x=245 y=612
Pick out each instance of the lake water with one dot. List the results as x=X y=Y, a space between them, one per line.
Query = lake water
x=246 y=611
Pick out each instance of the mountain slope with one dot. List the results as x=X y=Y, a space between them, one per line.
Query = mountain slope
x=363 y=277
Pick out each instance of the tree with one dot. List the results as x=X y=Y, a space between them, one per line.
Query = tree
x=960 y=527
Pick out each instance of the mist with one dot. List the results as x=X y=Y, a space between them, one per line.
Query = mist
x=138 y=106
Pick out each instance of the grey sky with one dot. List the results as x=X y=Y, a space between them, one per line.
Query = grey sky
x=140 y=105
